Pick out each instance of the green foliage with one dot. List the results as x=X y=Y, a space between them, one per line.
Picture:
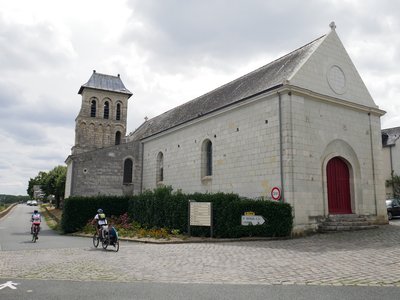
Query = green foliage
x=54 y=183
x=38 y=180
x=78 y=210
x=163 y=209
x=161 y=212
x=51 y=183
x=8 y=199
x=394 y=181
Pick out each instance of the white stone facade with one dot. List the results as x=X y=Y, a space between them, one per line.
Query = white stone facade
x=283 y=135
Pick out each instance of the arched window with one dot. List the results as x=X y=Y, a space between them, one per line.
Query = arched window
x=160 y=168
x=118 y=138
x=128 y=168
x=106 y=109
x=118 y=114
x=206 y=158
x=93 y=109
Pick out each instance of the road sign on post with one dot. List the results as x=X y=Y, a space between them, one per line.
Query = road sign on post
x=276 y=193
x=252 y=220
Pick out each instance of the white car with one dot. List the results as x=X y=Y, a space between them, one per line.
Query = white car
x=29 y=202
x=34 y=202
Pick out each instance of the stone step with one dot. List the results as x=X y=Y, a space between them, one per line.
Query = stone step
x=346 y=223
x=345 y=228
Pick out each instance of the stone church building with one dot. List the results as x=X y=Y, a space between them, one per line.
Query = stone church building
x=303 y=125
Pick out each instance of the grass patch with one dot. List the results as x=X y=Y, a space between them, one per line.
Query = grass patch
x=51 y=217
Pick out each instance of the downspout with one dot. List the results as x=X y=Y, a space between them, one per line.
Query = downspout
x=391 y=168
x=373 y=163
x=141 y=171
x=281 y=145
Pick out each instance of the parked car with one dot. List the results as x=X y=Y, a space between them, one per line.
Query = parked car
x=34 y=203
x=393 y=208
x=29 y=202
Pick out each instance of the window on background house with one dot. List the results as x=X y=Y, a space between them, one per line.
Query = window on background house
x=118 y=114
x=206 y=158
x=93 y=109
x=118 y=138
x=128 y=168
x=160 y=167
x=106 y=109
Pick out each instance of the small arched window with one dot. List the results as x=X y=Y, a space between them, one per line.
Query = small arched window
x=93 y=109
x=206 y=158
x=118 y=113
x=106 y=109
x=128 y=170
x=118 y=138
x=160 y=168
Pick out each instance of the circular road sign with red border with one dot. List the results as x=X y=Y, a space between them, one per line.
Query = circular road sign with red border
x=276 y=193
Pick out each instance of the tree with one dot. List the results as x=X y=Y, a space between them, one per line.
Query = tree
x=51 y=183
x=38 y=180
x=54 y=183
x=394 y=182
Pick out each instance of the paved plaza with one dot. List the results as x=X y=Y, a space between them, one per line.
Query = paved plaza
x=362 y=258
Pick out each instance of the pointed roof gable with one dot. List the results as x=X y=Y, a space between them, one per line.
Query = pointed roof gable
x=330 y=71
x=105 y=82
x=266 y=78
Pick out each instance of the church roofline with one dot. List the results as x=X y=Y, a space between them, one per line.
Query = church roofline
x=107 y=83
x=261 y=80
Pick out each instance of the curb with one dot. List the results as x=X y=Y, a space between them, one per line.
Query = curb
x=190 y=240
x=7 y=210
x=51 y=214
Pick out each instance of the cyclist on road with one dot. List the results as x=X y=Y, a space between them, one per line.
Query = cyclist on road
x=101 y=220
x=36 y=219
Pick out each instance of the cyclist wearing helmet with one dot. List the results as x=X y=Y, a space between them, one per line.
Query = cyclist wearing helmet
x=100 y=219
x=36 y=219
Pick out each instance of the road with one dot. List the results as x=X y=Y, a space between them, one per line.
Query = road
x=353 y=265
x=15 y=233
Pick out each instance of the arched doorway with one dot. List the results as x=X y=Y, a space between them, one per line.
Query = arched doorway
x=338 y=178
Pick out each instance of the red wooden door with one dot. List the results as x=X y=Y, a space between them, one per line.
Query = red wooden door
x=338 y=177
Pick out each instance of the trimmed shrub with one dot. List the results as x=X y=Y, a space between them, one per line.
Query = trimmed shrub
x=162 y=208
x=78 y=210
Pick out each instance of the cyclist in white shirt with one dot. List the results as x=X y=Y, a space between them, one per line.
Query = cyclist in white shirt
x=101 y=220
x=36 y=219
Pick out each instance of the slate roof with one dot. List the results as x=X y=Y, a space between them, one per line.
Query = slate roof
x=390 y=136
x=105 y=82
x=266 y=78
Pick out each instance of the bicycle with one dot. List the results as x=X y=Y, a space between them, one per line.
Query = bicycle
x=106 y=240
x=35 y=233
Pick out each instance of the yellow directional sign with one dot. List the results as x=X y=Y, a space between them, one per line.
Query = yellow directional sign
x=249 y=213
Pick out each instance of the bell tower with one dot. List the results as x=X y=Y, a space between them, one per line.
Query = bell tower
x=101 y=122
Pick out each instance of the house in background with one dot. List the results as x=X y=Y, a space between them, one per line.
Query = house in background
x=304 y=124
x=391 y=155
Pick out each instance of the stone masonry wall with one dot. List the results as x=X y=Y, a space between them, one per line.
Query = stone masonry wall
x=101 y=172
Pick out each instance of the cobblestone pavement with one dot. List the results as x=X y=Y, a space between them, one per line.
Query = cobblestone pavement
x=370 y=258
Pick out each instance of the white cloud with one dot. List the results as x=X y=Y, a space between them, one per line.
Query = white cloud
x=167 y=52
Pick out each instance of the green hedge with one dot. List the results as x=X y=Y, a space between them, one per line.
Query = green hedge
x=78 y=210
x=162 y=208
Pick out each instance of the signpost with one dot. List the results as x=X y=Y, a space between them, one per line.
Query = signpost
x=200 y=214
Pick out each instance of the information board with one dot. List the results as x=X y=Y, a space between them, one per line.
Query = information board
x=200 y=213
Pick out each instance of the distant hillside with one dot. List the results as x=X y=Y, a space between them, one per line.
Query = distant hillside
x=4 y=199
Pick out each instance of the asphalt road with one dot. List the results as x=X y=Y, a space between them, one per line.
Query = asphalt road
x=66 y=267
x=15 y=233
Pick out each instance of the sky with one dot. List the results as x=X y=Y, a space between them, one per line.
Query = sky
x=167 y=52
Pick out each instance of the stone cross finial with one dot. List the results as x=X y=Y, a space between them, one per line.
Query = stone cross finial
x=332 y=25
x=146 y=118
